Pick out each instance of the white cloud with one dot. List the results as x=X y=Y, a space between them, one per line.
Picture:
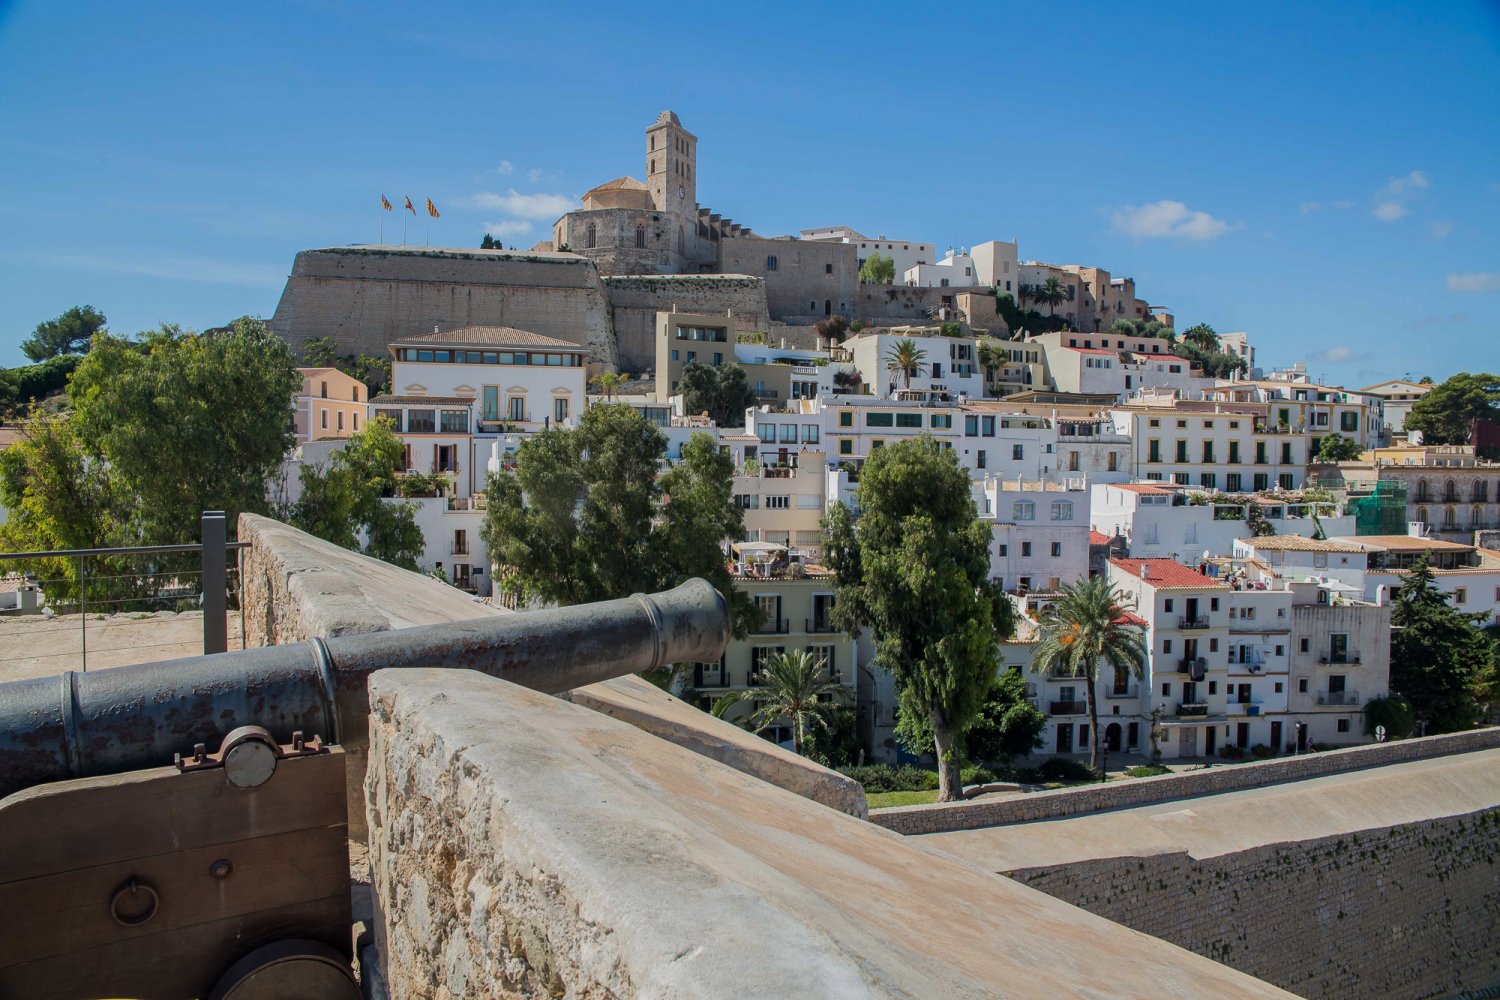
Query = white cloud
x=1474 y=281
x=1391 y=200
x=1335 y=356
x=1308 y=207
x=1434 y=320
x=506 y=168
x=1441 y=229
x=510 y=227
x=534 y=174
x=1168 y=219
x=526 y=206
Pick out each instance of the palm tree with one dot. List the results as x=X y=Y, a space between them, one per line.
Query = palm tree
x=1203 y=337
x=990 y=356
x=1085 y=630
x=904 y=357
x=1052 y=292
x=790 y=690
x=608 y=383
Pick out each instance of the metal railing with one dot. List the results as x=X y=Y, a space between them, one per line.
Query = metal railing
x=1068 y=708
x=1338 y=698
x=1192 y=623
x=772 y=626
x=819 y=625
x=1191 y=710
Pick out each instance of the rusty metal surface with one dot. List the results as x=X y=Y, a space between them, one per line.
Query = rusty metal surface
x=119 y=720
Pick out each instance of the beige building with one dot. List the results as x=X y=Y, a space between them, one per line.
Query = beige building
x=1448 y=490
x=1399 y=396
x=330 y=404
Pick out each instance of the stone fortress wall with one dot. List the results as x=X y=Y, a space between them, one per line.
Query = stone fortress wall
x=1402 y=911
x=634 y=301
x=363 y=298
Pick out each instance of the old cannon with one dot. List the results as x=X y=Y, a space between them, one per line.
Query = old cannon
x=179 y=828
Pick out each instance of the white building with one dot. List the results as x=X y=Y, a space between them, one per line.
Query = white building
x=997 y=264
x=1041 y=534
x=955 y=269
x=1162 y=522
x=949 y=364
x=903 y=253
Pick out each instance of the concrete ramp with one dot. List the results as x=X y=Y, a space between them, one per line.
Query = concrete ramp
x=524 y=846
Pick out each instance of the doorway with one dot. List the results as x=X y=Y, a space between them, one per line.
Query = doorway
x=1210 y=740
x=1065 y=737
x=1112 y=737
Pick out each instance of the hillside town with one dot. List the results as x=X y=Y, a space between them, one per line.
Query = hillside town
x=471 y=529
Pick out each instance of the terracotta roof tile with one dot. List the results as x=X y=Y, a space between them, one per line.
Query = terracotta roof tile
x=1165 y=574
x=489 y=336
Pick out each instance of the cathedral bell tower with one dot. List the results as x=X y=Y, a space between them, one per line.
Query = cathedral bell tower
x=672 y=166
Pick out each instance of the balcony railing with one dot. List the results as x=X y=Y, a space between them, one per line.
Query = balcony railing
x=1125 y=692
x=1338 y=698
x=1192 y=623
x=710 y=678
x=773 y=626
x=1352 y=658
x=1195 y=667
x=820 y=625
x=1069 y=707
x=1191 y=710
x=459 y=549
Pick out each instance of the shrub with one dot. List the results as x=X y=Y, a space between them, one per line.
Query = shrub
x=885 y=778
x=1066 y=769
x=1147 y=770
x=1232 y=752
x=1394 y=713
x=977 y=776
x=1261 y=750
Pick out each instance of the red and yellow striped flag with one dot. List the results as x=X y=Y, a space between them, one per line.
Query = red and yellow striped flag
x=409 y=207
x=432 y=209
x=385 y=204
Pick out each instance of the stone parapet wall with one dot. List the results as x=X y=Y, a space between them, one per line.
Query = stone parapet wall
x=947 y=816
x=634 y=301
x=1403 y=911
x=521 y=846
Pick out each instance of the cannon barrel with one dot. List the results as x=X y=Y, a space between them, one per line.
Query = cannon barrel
x=80 y=725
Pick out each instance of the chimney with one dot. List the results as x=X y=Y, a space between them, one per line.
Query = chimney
x=434 y=328
x=1145 y=571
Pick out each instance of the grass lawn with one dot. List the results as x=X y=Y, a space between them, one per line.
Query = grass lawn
x=881 y=800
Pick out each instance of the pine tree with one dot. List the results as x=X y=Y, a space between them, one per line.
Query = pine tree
x=1439 y=656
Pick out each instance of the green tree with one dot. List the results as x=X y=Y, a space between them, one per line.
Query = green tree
x=1337 y=448
x=1394 y=713
x=187 y=423
x=70 y=333
x=1050 y=293
x=488 y=243
x=320 y=352
x=609 y=383
x=790 y=687
x=915 y=570
x=721 y=391
x=1007 y=726
x=585 y=517
x=878 y=270
x=834 y=329
x=903 y=359
x=347 y=497
x=1439 y=655
x=1085 y=633
x=1446 y=414
x=1203 y=337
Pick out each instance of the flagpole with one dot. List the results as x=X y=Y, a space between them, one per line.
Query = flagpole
x=403 y=229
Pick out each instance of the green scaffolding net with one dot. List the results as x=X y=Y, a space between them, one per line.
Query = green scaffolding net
x=1382 y=512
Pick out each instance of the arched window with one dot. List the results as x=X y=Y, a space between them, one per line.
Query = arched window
x=1450 y=519
x=1478 y=514
x=827 y=307
x=1421 y=491
x=592 y=238
x=1450 y=491
x=640 y=237
x=1422 y=515
x=1481 y=491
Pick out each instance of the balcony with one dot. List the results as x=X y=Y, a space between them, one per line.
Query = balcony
x=1068 y=708
x=1339 y=698
x=818 y=625
x=1252 y=707
x=710 y=678
x=458 y=549
x=1192 y=710
x=1123 y=693
x=1347 y=658
x=1192 y=623
x=1195 y=667
x=772 y=626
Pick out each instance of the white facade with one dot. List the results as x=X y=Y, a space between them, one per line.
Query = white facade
x=953 y=270
x=949 y=364
x=997 y=264
x=1041 y=534
x=1159 y=523
x=904 y=254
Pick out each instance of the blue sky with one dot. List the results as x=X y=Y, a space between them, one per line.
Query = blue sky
x=1325 y=176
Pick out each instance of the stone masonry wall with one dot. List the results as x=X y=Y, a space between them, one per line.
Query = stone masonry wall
x=942 y=817
x=365 y=297
x=634 y=302
x=1304 y=916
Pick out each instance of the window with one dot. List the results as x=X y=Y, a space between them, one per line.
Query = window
x=420 y=421
x=394 y=416
x=1278 y=688
x=454 y=421
x=942 y=420
x=1166 y=690
x=788 y=433
x=1286 y=453
x=827 y=268
x=1167 y=606
x=809 y=433
x=1182 y=455
x=516 y=408
x=981 y=459
x=1004 y=550
x=1460 y=595
x=1302 y=645
x=324 y=393
x=1017 y=452
x=1024 y=510
x=771 y=263
x=1062 y=510
x=908 y=420
x=1349 y=421
x=1232 y=482
x=490 y=404
x=341 y=427
x=591 y=237
x=846 y=418
x=1025 y=550
x=559 y=409
x=1155 y=452
x=846 y=447
x=1213 y=604
x=879 y=419
x=1213 y=687
x=1056 y=549
x=1208 y=453
x=1302 y=685
x=1260 y=453
x=1166 y=647
x=779 y=503
x=1343 y=725
x=1213 y=645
